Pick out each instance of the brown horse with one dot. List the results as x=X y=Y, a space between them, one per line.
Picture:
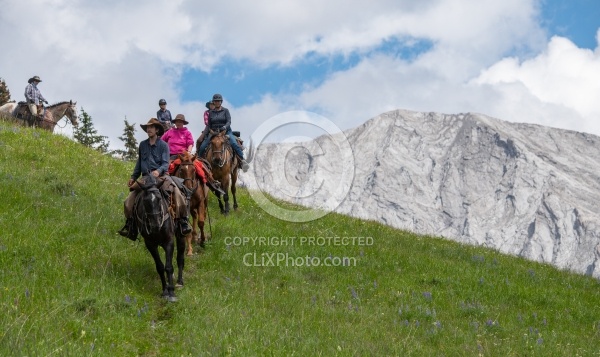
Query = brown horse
x=52 y=114
x=224 y=167
x=198 y=200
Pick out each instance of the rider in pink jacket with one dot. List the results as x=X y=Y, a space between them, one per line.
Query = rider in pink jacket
x=178 y=137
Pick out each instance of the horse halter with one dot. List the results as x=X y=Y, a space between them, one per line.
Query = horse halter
x=223 y=150
x=195 y=181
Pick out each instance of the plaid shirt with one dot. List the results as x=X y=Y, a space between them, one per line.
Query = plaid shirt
x=32 y=93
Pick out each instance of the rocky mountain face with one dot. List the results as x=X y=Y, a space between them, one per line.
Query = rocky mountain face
x=523 y=189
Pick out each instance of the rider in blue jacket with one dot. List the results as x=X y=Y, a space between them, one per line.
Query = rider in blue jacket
x=219 y=119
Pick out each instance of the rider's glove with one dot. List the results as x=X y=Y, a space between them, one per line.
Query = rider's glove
x=46 y=101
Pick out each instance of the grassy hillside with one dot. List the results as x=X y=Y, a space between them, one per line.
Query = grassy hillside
x=71 y=286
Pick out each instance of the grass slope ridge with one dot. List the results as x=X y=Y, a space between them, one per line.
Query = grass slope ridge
x=70 y=286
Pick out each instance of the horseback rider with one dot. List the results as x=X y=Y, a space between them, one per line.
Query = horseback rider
x=178 y=137
x=33 y=96
x=164 y=115
x=219 y=119
x=209 y=106
x=180 y=140
x=153 y=159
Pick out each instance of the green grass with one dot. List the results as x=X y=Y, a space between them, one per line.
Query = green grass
x=71 y=286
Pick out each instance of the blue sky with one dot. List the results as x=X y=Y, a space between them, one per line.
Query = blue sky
x=578 y=20
x=531 y=61
x=244 y=84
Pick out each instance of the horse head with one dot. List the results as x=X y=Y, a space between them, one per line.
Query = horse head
x=218 y=148
x=71 y=113
x=187 y=169
x=151 y=211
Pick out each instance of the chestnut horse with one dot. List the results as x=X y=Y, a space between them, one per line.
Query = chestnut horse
x=198 y=199
x=156 y=225
x=52 y=114
x=224 y=167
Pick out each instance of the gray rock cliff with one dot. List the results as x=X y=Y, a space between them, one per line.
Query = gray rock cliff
x=523 y=189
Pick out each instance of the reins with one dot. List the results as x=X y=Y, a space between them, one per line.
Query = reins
x=195 y=180
x=225 y=150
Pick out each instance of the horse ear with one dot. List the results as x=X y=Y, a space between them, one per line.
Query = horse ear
x=71 y=102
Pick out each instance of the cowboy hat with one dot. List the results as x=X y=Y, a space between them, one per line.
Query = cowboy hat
x=156 y=123
x=182 y=118
x=34 y=78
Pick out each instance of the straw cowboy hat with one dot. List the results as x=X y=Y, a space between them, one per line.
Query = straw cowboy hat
x=182 y=118
x=156 y=123
x=34 y=78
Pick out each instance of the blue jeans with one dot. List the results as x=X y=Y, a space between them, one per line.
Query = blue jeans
x=232 y=141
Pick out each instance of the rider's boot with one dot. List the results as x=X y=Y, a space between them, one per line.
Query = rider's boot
x=215 y=186
x=245 y=165
x=184 y=226
x=129 y=230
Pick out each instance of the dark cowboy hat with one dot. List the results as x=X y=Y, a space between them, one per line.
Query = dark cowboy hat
x=208 y=104
x=156 y=123
x=182 y=118
x=34 y=78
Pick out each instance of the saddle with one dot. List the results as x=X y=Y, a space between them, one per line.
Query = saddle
x=22 y=112
x=238 y=139
x=203 y=170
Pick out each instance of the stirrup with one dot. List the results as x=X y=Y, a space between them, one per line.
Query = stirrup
x=129 y=231
x=184 y=226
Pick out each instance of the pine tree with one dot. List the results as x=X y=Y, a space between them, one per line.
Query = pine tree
x=4 y=92
x=131 y=145
x=86 y=134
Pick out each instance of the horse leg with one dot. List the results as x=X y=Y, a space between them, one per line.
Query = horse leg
x=202 y=214
x=221 y=207
x=226 y=199
x=180 y=261
x=160 y=268
x=233 y=189
x=188 y=242
x=189 y=238
x=169 y=247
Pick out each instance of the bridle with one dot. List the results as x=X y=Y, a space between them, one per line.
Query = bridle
x=194 y=179
x=223 y=151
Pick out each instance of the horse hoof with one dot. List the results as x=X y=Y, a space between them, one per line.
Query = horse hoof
x=179 y=286
x=171 y=298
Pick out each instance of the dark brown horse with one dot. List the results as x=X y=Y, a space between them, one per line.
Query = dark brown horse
x=52 y=114
x=224 y=167
x=198 y=199
x=156 y=225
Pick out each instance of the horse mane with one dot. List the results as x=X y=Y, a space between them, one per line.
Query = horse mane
x=59 y=103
